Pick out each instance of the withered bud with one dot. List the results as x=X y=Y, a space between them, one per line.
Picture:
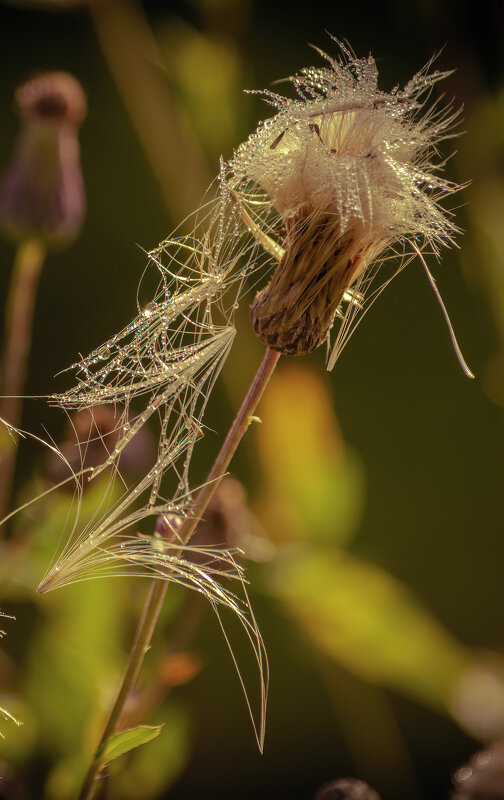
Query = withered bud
x=42 y=190
x=483 y=777
x=346 y=789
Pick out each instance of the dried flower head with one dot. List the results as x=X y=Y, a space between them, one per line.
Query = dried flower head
x=42 y=191
x=343 y=173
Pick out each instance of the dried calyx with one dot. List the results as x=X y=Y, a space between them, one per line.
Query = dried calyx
x=339 y=176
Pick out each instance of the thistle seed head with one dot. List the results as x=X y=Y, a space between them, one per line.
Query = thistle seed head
x=347 y=171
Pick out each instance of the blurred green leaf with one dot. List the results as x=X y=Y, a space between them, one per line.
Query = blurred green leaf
x=66 y=776
x=127 y=740
x=20 y=735
x=368 y=621
x=6 y=715
x=76 y=652
x=315 y=482
x=207 y=73
x=44 y=526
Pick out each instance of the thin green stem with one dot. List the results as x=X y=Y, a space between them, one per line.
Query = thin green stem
x=28 y=263
x=158 y=587
x=138 y=68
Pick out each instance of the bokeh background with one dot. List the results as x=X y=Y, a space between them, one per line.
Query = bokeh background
x=375 y=493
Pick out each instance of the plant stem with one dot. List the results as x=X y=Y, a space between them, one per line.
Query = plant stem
x=177 y=643
x=18 y=330
x=157 y=591
x=138 y=67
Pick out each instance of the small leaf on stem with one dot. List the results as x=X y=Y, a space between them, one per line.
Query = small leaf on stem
x=127 y=740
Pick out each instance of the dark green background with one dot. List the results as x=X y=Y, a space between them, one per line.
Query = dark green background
x=431 y=441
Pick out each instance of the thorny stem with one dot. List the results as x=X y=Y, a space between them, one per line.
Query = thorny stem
x=158 y=587
x=18 y=329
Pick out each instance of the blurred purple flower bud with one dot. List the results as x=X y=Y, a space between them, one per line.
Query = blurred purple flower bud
x=42 y=190
x=168 y=526
x=346 y=789
x=91 y=437
x=227 y=523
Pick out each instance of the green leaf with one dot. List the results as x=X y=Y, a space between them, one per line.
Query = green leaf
x=316 y=483
x=373 y=625
x=127 y=740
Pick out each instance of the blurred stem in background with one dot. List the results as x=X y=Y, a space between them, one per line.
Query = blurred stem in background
x=28 y=264
x=137 y=67
x=178 y=665
x=378 y=751
x=157 y=591
x=42 y=205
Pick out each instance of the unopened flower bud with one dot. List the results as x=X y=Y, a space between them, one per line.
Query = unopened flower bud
x=346 y=789
x=168 y=526
x=42 y=190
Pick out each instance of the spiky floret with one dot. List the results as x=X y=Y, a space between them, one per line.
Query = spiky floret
x=350 y=171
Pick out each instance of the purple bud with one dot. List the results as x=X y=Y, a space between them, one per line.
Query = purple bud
x=224 y=525
x=90 y=439
x=42 y=190
x=346 y=789
x=169 y=525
